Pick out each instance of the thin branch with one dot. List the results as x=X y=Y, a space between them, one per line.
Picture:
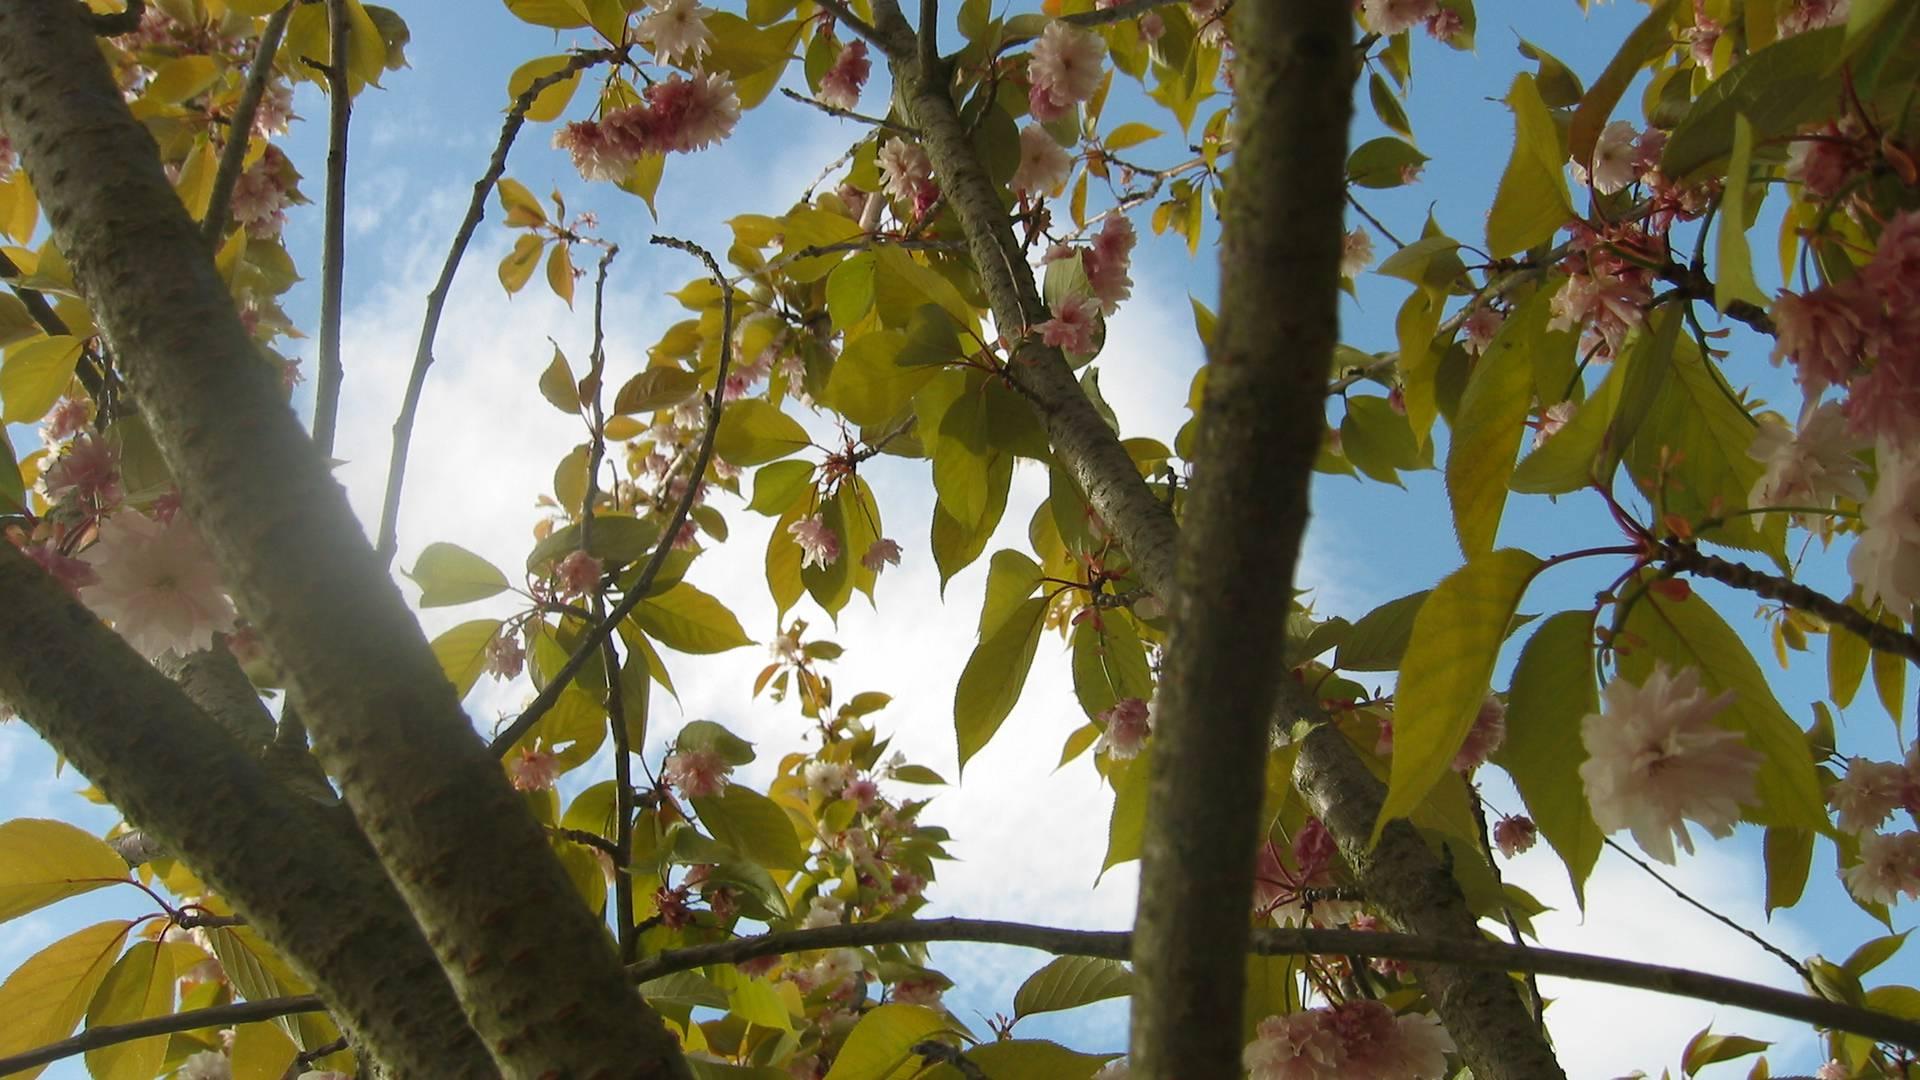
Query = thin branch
x=1694 y=284
x=104 y=1035
x=333 y=254
x=1482 y=954
x=91 y=375
x=844 y=15
x=386 y=537
x=117 y=23
x=637 y=592
x=1683 y=556
x=233 y=157
x=849 y=114
x=1799 y=968
x=1120 y=12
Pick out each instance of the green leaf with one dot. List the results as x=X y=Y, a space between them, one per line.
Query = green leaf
x=1378 y=640
x=1532 y=202
x=139 y=986
x=850 y=290
x=754 y=432
x=810 y=227
x=687 y=620
x=995 y=674
x=450 y=574
x=1559 y=86
x=1034 y=1059
x=1387 y=107
x=1874 y=953
x=1109 y=664
x=1689 y=633
x=617 y=539
x=1707 y=1048
x=1011 y=579
x=831 y=586
x=1846 y=664
x=778 y=486
x=48 y=994
x=1382 y=162
x=1649 y=41
x=955 y=545
x=883 y=1040
x=551 y=102
x=517 y=268
x=44 y=861
x=1734 y=269
x=753 y=825
x=1788 y=854
x=1068 y=982
x=1490 y=423
x=462 y=652
x=1890 y=676
x=1129 y=820
x=656 y=388
x=1444 y=675
x=868 y=385
x=1552 y=692
x=707 y=735
x=1379 y=440
x=1130 y=134
x=1589 y=447
x=34 y=375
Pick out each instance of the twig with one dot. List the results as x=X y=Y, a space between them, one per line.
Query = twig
x=1694 y=284
x=1120 y=12
x=1506 y=910
x=845 y=16
x=233 y=157
x=1683 y=556
x=1308 y=941
x=849 y=114
x=858 y=243
x=91 y=375
x=386 y=538
x=333 y=257
x=638 y=590
x=1799 y=968
x=116 y=23
x=1374 y=221
x=219 y=1016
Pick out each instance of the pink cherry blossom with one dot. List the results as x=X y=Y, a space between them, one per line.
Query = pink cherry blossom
x=1657 y=759
x=840 y=86
x=1552 y=420
x=1613 y=159
x=1885 y=561
x=922 y=992
x=677 y=30
x=578 y=574
x=1868 y=795
x=1389 y=17
x=1894 y=270
x=1124 y=728
x=1445 y=24
x=596 y=154
x=1701 y=38
x=1377 y=1045
x=1075 y=318
x=1298 y=1046
x=157 y=584
x=71 y=573
x=1044 y=164
x=1479 y=329
x=696 y=773
x=881 y=554
x=827 y=778
x=69 y=416
x=904 y=169
x=1211 y=17
x=86 y=472
x=1824 y=333
x=1489 y=730
x=263 y=192
x=205 y=1065
x=505 y=656
x=1066 y=69
x=1889 y=867
x=819 y=545
x=1108 y=261
x=692 y=113
x=864 y=793
x=1884 y=404
x=1812 y=467
x=1356 y=252
x=1833 y=1070
x=531 y=770
x=1515 y=835
x=6 y=157
x=1825 y=157
x=1801 y=16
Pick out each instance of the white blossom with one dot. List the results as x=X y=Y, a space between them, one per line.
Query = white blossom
x=157 y=584
x=1885 y=562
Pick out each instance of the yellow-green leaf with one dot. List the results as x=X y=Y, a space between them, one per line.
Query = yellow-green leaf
x=557 y=385
x=1444 y=675
x=139 y=985
x=518 y=266
x=1532 y=201
x=261 y=1052
x=995 y=674
x=180 y=78
x=687 y=620
x=868 y=385
x=1846 y=664
x=754 y=432
x=811 y=227
x=560 y=271
x=1068 y=982
x=656 y=388
x=48 y=994
x=44 y=861
x=1733 y=271
x=883 y=1040
x=1649 y=41
x=450 y=574
x=1129 y=134
x=1552 y=692
x=462 y=652
x=1034 y=1059
x=1890 y=677
x=1129 y=819
x=1788 y=854
x=548 y=104
x=1490 y=423
x=33 y=376
x=753 y=825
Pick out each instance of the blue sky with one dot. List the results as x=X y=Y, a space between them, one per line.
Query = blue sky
x=487 y=445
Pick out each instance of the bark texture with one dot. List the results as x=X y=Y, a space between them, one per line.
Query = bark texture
x=1260 y=431
x=530 y=963
x=299 y=874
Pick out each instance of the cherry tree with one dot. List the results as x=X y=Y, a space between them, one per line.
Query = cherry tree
x=362 y=881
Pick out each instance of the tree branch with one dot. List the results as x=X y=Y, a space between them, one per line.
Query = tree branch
x=1495 y=957
x=104 y=1035
x=1684 y=556
x=473 y=865
x=638 y=590
x=233 y=156
x=333 y=252
x=844 y=15
x=386 y=540
x=1246 y=511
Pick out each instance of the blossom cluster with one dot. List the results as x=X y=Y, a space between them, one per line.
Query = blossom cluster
x=679 y=114
x=1863 y=800
x=1360 y=1039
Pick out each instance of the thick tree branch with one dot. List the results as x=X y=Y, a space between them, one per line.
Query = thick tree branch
x=386 y=538
x=1422 y=895
x=300 y=875
x=473 y=865
x=1259 y=433
x=333 y=249
x=233 y=156
x=1683 y=556
x=219 y=1016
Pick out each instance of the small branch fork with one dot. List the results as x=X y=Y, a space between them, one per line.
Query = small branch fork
x=591 y=642
x=386 y=539
x=1114 y=944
